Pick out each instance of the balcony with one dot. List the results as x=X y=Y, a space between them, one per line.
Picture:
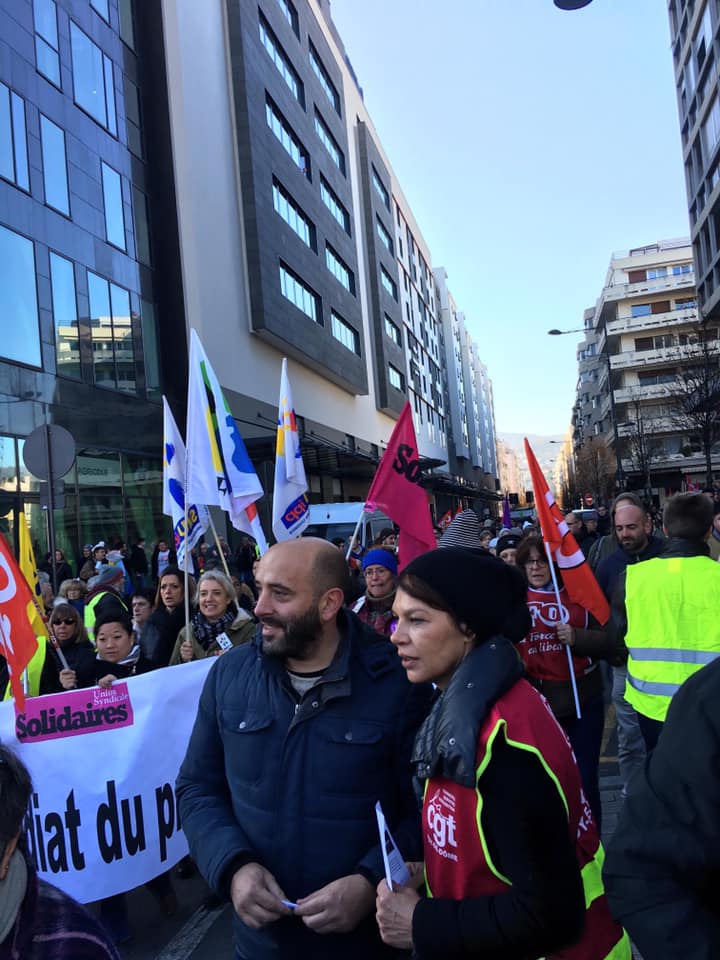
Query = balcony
x=678 y=354
x=650 y=288
x=673 y=318
x=656 y=391
x=653 y=426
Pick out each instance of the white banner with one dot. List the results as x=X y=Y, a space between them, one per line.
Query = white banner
x=103 y=817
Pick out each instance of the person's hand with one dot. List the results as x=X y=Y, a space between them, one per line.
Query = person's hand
x=68 y=679
x=256 y=896
x=565 y=634
x=186 y=651
x=337 y=907
x=107 y=681
x=394 y=912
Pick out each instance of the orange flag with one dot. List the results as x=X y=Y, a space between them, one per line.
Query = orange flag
x=18 y=642
x=579 y=580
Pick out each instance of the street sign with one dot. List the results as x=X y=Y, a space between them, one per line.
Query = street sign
x=55 y=441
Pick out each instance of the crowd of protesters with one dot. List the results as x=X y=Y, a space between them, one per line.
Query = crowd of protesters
x=510 y=806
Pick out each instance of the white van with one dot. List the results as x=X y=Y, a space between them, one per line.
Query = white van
x=333 y=520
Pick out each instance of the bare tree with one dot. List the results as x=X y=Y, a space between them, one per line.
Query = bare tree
x=595 y=469
x=641 y=445
x=695 y=393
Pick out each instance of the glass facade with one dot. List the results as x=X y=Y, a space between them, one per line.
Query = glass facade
x=287 y=137
x=64 y=302
x=20 y=340
x=299 y=294
x=293 y=216
x=13 y=138
x=93 y=81
x=55 y=179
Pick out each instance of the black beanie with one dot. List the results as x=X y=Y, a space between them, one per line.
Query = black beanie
x=487 y=595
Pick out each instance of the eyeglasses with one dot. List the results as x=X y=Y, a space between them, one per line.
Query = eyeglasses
x=539 y=562
x=67 y=623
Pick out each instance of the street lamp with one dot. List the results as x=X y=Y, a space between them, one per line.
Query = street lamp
x=572 y=4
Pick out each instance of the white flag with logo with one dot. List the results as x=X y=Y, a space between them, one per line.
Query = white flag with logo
x=291 y=510
x=187 y=530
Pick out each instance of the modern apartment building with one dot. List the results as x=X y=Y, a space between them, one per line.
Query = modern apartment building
x=641 y=338
x=174 y=164
x=79 y=342
x=694 y=28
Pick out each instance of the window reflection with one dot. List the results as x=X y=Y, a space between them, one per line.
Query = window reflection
x=123 y=338
x=67 y=344
x=8 y=465
x=20 y=339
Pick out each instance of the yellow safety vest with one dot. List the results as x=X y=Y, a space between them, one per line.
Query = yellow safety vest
x=89 y=612
x=34 y=671
x=673 y=627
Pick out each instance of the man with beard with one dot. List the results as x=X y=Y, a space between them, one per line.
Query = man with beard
x=297 y=736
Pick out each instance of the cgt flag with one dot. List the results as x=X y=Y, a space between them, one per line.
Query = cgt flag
x=28 y=566
x=219 y=470
x=290 y=505
x=579 y=580
x=186 y=530
x=397 y=492
x=18 y=643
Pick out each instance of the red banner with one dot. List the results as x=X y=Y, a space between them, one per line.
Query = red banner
x=18 y=642
x=579 y=580
x=397 y=492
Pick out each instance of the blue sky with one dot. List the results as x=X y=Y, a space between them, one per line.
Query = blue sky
x=531 y=143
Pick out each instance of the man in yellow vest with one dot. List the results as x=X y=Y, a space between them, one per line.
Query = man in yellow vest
x=666 y=612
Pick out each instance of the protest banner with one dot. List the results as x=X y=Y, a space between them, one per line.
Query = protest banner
x=103 y=816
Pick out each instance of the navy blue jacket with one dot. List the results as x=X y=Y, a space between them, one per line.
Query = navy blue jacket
x=609 y=569
x=295 y=789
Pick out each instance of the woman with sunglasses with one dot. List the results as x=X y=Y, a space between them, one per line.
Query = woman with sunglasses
x=544 y=654
x=67 y=630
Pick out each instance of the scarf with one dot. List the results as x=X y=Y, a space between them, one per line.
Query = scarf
x=12 y=892
x=206 y=632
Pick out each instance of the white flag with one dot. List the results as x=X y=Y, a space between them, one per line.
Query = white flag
x=174 y=490
x=219 y=470
x=291 y=511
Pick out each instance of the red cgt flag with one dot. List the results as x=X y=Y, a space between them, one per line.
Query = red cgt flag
x=579 y=580
x=18 y=642
x=397 y=492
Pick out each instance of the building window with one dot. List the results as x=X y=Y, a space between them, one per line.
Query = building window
x=293 y=216
x=13 y=139
x=142 y=230
x=114 y=216
x=331 y=201
x=690 y=304
x=286 y=135
x=132 y=117
x=324 y=78
x=343 y=332
x=112 y=339
x=93 y=79
x=393 y=331
x=281 y=61
x=52 y=139
x=389 y=284
x=127 y=28
x=101 y=7
x=657 y=273
x=641 y=310
x=47 y=51
x=384 y=236
x=380 y=189
x=339 y=269
x=151 y=351
x=20 y=339
x=396 y=378
x=329 y=142
x=65 y=318
x=710 y=130
x=291 y=15
x=679 y=269
x=299 y=294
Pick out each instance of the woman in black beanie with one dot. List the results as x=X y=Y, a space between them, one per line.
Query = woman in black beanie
x=512 y=856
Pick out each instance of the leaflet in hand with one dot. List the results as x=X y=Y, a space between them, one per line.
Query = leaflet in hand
x=395 y=870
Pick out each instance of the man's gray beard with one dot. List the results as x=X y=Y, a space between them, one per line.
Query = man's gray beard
x=300 y=635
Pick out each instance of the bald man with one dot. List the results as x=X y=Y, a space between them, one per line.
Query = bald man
x=297 y=735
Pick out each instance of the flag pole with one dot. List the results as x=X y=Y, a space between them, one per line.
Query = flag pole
x=186 y=573
x=355 y=533
x=573 y=681
x=222 y=556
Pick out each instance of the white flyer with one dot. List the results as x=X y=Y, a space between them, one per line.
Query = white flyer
x=395 y=870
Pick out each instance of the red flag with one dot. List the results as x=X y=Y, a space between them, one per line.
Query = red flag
x=397 y=492
x=444 y=521
x=18 y=643
x=579 y=580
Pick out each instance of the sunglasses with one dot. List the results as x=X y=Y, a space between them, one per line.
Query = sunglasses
x=68 y=623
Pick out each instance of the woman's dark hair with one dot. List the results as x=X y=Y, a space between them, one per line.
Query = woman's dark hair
x=114 y=616
x=15 y=790
x=63 y=610
x=147 y=593
x=419 y=590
